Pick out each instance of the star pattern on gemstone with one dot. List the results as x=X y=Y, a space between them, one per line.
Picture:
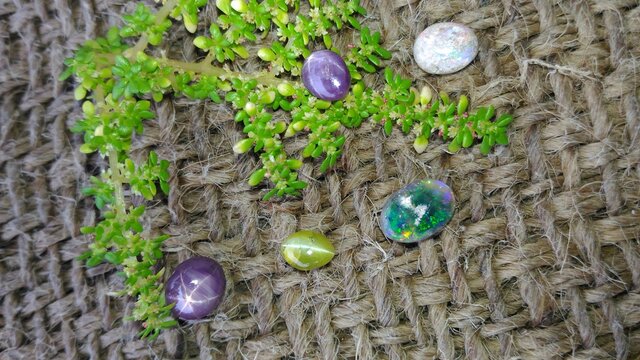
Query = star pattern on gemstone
x=186 y=300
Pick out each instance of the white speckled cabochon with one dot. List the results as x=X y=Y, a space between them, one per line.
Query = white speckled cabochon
x=445 y=48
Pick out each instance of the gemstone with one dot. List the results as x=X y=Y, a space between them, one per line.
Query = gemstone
x=196 y=287
x=326 y=75
x=307 y=250
x=445 y=48
x=418 y=211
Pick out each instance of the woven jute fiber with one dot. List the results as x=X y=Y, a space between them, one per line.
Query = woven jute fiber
x=540 y=261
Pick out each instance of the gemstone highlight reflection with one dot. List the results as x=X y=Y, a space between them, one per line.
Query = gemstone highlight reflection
x=196 y=287
x=418 y=211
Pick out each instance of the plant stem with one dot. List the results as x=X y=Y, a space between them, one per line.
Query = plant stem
x=116 y=179
x=265 y=78
x=116 y=176
x=204 y=68
x=143 y=41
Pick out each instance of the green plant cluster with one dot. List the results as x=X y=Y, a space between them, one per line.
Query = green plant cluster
x=398 y=104
x=119 y=78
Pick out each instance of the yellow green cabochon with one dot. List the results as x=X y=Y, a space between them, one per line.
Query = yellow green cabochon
x=307 y=250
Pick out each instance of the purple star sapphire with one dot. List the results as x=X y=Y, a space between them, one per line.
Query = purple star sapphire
x=196 y=287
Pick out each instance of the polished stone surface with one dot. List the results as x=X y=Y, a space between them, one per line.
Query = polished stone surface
x=196 y=287
x=307 y=250
x=445 y=48
x=418 y=211
x=326 y=75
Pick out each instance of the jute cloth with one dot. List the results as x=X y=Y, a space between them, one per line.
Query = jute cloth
x=540 y=261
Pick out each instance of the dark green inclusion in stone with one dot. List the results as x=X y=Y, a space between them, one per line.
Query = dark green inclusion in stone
x=418 y=211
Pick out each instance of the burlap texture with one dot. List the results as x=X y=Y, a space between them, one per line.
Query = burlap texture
x=540 y=261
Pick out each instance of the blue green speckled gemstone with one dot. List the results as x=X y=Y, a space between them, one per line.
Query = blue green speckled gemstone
x=418 y=211
x=307 y=250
